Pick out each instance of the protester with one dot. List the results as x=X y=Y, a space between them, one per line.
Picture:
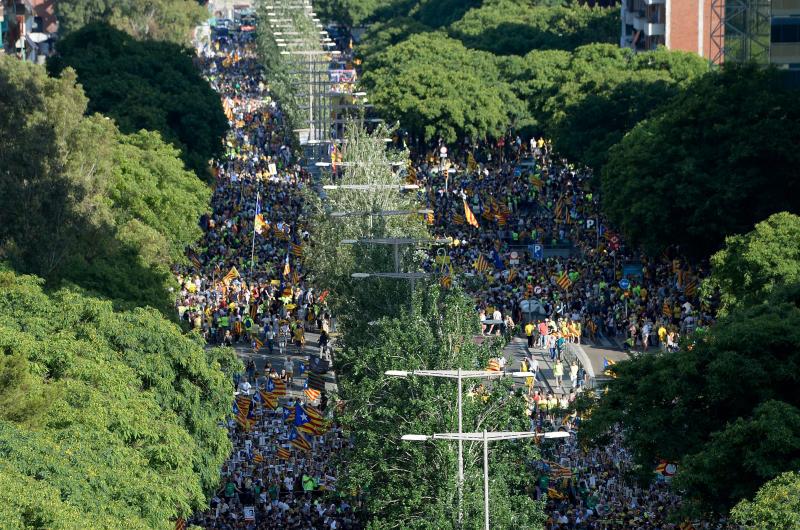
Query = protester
x=246 y=286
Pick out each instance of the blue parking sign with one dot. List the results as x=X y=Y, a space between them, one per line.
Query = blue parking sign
x=537 y=251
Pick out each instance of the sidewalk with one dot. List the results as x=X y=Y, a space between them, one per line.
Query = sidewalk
x=517 y=349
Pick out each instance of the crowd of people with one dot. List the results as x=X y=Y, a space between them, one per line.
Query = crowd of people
x=542 y=262
x=543 y=249
x=245 y=286
x=592 y=488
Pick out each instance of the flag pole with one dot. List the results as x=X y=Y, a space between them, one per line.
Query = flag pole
x=253 y=248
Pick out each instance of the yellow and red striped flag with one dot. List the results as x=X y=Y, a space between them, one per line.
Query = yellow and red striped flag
x=469 y=216
x=312 y=394
x=494 y=365
x=512 y=275
x=297 y=250
x=563 y=281
x=232 y=274
x=481 y=265
x=269 y=399
x=283 y=453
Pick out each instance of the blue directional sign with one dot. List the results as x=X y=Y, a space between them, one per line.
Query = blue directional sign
x=537 y=251
x=624 y=284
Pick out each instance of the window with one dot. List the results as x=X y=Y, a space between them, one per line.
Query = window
x=785 y=29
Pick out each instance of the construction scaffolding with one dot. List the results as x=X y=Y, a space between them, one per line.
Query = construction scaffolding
x=740 y=31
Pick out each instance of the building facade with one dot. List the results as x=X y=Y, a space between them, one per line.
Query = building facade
x=760 y=31
x=28 y=28
x=677 y=24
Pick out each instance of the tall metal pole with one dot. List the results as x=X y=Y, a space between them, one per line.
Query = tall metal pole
x=460 y=458
x=253 y=249
x=485 y=481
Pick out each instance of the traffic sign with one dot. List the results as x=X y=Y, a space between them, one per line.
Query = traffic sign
x=537 y=251
x=624 y=284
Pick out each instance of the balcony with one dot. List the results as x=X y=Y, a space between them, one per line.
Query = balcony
x=784 y=53
x=654 y=2
x=629 y=16
x=785 y=7
x=654 y=29
x=639 y=23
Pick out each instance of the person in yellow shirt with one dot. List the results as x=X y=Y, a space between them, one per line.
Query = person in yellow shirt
x=573 y=332
x=529 y=328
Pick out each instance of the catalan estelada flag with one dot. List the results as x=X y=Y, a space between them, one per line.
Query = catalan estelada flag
x=283 y=453
x=269 y=399
x=297 y=250
x=286 y=268
x=298 y=440
x=276 y=386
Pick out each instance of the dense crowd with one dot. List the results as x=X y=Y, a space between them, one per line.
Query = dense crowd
x=592 y=488
x=245 y=285
x=542 y=248
x=542 y=262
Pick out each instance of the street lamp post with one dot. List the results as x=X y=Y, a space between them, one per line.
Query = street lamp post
x=458 y=375
x=485 y=437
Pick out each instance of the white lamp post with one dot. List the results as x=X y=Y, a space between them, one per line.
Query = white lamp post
x=486 y=437
x=458 y=375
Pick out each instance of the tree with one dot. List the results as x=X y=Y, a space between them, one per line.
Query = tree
x=599 y=110
x=775 y=506
x=168 y=20
x=705 y=164
x=435 y=86
x=105 y=416
x=156 y=201
x=381 y=35
x=510 y=27
x=752 y=265
x=83 y=203
x=146 y=85
x=688 y=407
x=367 y=162
x=361 y=12
x=413 y=485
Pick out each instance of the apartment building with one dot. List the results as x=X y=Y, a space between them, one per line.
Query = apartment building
x=677 y=24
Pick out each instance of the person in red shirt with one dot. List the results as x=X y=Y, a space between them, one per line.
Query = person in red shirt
x=542 y=334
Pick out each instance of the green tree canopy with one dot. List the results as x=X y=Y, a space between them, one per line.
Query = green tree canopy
x=605 y=91
x=512 y=27
x=146 y=85
x=169 y=20
x=104 y=416
x=713 y=161
x=79 y=201
x=690 y=406
x=752 y=265
x=776 y=505
x=416 y=482
x=436 y=86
